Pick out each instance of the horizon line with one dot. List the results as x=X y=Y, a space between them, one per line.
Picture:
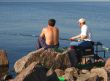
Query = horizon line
x=58 y=1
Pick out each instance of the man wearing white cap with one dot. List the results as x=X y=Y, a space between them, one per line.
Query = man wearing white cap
x=84 y=37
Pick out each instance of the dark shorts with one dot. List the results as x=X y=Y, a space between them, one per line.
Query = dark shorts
x=41 y=43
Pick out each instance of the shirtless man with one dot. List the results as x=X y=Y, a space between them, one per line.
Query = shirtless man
x=49 y=37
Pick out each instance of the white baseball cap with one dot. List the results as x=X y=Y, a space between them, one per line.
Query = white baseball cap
x=81 y=20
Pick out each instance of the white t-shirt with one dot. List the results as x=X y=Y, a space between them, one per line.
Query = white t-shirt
x=85 y=31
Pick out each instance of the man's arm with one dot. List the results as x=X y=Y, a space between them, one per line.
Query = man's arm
x=58 y=32
x=75 y=37
x=42 y=33
x=83 y=37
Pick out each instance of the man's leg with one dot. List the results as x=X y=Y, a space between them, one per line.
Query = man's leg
x=52 y=46
x=79 y=51
x=75 y=43
x=86 y=44
x=40 y=43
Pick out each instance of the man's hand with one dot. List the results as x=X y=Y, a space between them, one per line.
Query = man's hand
x=71 y=39
x=75 y=39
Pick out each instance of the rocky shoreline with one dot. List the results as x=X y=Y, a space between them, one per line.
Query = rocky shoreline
x=52 y=65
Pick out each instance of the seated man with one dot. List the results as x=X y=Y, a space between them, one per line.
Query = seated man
x=84 y=38
x=49 y=37
x=82 y=41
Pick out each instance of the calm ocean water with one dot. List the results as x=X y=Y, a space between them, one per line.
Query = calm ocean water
x=21 y=22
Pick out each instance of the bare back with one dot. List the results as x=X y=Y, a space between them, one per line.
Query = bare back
x=51 y=35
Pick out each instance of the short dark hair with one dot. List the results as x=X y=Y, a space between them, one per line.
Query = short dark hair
x=51 y=22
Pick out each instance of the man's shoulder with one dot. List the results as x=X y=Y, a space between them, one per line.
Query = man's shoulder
x=84 y=27
x=56 y=28
x=44 y=28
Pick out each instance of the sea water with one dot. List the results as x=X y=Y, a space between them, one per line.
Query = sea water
x=22 y=22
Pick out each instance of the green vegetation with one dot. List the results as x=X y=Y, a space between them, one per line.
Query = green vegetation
x=61 y=50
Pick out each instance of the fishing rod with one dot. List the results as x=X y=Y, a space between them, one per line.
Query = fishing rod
x=28 y=35
x=65 y=39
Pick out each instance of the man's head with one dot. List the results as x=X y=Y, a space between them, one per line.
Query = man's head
x=51 y=22
x=82 y=21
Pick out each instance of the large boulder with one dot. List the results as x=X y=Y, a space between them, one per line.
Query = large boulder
x=87 y=77
x=3 y=58
x=100 y=72
x=108 y=72
x=107 y=67
x=68 y=74
x=49 y=58
x=107 y=64
x=3 y=71
x=36 y=72
x=26 y=60
x=51 y=75
x=33 y=72
x=59 y=72
x=72 y=71
x=94 y=78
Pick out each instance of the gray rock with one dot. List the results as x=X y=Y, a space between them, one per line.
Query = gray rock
x=69 y=74
x=3 y=71
x=27 y=60
x=87 y=77
x=3 y=58
x=100 y=72
x=51 y=75
x=107 y=64
x=72 y=71
x=94 y=78
x=59 y=72
x=108 y=72
x=68 y=77
x=33 y=72
x=107 y=68
x=49 y=58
